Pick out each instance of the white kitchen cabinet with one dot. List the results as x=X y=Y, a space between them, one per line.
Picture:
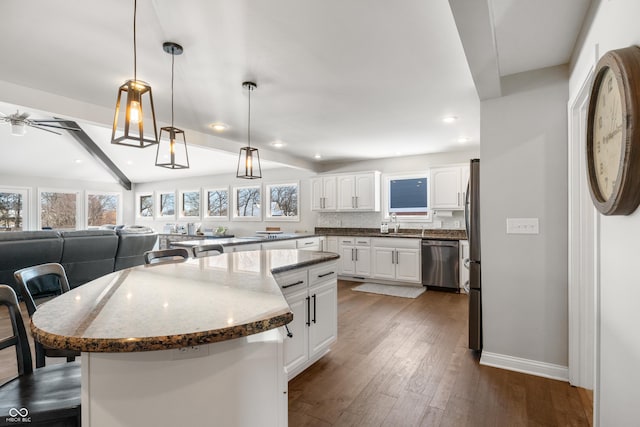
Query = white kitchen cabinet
x=359 y=192
x=464 y=259
x=323 y=193
x=396 y=259
x=449 y=187
x=242 y=248
x=355 y=256
x=280 y=244
x=331 y=244
x=312 y=295
x=309 y=244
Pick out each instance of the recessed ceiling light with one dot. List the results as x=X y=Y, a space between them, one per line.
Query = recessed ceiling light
x=278 y=144
x=219 y=126
x=78 y=161
x=449 y=119
x=317 y=156
x=129 y=162
x=463 y=140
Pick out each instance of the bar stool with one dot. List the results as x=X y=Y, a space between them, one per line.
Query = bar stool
x=162 y=256
x=207 y=250
x=47 y=396
x=23 y=278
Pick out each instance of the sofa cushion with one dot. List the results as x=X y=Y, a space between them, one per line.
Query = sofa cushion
x=134 y=241
x=88 y=254
x=22 y=249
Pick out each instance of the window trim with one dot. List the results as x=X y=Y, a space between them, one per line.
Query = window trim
x=153 y=206
x=267 y=203
x=119 y=213
x=181 y=214
x=234 y=195
x=158 y=208
x=205 y=204
x=386 y=179
x=79 y=206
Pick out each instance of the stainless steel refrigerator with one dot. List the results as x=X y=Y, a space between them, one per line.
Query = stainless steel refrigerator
x=472 y=219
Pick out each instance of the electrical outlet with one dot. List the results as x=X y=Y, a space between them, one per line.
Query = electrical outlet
x=522 y=226
x=190 y=352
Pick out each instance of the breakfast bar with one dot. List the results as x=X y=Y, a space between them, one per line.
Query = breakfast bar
x=186 y=343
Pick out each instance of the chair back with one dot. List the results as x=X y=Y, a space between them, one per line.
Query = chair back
x=207 y=250
x=9 y=299
x=26 y=275
x=166 y=255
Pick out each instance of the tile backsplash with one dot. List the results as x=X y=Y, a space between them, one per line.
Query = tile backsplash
x=373 y=220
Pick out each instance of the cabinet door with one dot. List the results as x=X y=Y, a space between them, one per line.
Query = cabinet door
x=329 y=189
x=347 y=257
x=362 y=261
x=346 y=192
x=332 y=244
x=296 y=350
x=408 y=265
x=324 y=316
x=365 y=188
x=317 y=194
x=383 y=260
x=445 y=188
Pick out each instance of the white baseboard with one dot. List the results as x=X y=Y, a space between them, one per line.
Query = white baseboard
x=526 y=366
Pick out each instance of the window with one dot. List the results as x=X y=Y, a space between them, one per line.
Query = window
x=103 y=208
x=58 y=210
x=407 y=196
x=13 y=209
x=166 y=204
x=247 y=203
x=217 y=203
x=190 y=204
x=144 y=205
x=282 y=201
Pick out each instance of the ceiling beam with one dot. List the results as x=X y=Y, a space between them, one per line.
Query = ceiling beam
x=95 y=151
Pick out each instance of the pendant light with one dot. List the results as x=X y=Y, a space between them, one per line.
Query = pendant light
x=249 y=159
x=174 y=151
x=137 y=93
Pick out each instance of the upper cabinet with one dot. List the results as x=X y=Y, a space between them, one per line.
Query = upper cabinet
x=323 y=193
x=449 y=187
x=346 y=192
x=359 y=192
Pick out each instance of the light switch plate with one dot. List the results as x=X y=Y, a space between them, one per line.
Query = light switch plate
x=523 y=226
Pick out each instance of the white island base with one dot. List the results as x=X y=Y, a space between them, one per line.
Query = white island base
x=240 y=382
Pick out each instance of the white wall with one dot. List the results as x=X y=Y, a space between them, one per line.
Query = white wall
x=33 y=183
x=523 y=174
x=239 y=228
x=615 y=25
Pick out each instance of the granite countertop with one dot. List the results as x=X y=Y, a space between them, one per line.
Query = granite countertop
x=436 y=234
x=241 y=240
x=173 y=305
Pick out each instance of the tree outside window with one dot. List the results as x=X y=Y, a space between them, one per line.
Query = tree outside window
x=145 y=208
x=218 y=203
x=190 y=204
x=58 y=210
x=11 y=211
x=283 y=201
x=167 y=204
x=102 y=209
x=247 y=202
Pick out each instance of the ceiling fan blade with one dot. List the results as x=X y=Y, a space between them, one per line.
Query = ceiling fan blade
x=45 y=129
x=35 y=123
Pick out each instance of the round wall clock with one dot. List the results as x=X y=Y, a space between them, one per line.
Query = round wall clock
x=613 y=137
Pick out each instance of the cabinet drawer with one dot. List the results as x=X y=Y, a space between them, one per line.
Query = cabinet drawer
x=292 y=281
x=403 y=242
x=323 y=273
x=308 y=242
x=346 y=240
x=362 y=241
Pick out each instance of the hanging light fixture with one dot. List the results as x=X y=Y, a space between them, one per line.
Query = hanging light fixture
x=137 y=93
x=249 y=159
x=175 y=152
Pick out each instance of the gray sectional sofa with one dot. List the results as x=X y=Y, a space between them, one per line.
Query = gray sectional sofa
x=85 y=254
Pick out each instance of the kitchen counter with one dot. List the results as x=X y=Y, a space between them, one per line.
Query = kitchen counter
x=235 y=241
x=434 y=234
x=165 y=306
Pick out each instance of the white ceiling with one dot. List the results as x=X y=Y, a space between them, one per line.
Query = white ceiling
x=349 y=80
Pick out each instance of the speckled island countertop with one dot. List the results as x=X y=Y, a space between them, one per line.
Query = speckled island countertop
x=164 y=306
x=436 y=234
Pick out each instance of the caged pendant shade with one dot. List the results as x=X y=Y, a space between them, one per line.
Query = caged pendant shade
x=137 y=97
x=249 y=158
x=172 y=151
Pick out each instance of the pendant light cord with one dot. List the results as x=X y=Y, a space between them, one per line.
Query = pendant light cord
x=173 y=59
x=249 y=88
x=135 y=8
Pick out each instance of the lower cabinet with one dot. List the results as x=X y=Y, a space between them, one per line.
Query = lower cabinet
x=312 y=295
x=396 y=259
x=355 y=256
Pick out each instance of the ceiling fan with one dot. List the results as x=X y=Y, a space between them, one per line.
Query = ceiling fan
x=20 y=121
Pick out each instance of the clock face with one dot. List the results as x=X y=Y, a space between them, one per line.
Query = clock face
x=607 y=134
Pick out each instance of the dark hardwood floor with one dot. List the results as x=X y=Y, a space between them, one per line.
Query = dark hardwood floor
x=405 y=362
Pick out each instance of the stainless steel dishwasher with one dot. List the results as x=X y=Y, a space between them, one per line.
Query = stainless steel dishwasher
x=441 y=264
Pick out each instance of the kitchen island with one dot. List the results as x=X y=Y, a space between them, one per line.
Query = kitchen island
x=190 y=343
